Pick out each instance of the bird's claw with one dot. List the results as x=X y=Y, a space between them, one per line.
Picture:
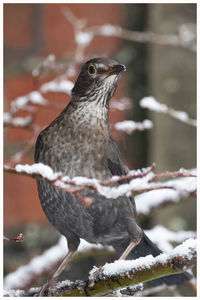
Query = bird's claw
x=46 y=289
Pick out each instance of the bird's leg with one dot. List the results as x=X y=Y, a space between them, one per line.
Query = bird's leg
x=130 y=247
x=52 y=282
x=124 y=255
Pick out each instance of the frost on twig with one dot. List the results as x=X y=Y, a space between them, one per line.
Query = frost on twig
x=27 y=274
x=122 y=273
x=152 y=104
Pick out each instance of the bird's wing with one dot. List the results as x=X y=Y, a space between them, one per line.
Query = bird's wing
x=117 y=167
x=114 y=160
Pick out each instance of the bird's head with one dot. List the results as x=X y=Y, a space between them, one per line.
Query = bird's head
x=97 y=80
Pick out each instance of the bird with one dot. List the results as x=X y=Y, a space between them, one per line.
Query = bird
x=79 y=143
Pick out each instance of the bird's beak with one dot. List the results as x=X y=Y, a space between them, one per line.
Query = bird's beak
x=115 y=70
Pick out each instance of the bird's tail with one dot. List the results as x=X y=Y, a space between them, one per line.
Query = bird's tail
x=146 y=247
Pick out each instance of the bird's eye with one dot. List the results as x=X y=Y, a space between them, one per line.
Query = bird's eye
x=92 y=70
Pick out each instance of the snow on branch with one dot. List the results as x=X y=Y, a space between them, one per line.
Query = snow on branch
x=84 y=35
x=123 y=273
x=164 y=237
x=180 y=39
x=48 y=64
x=121 y=104
x=57 y=85
x=187 y=250
x=9 y=120
x=131 y=126
x=24 y=275
x=152 y=104
x=151 y=200
x=21 y=102
x=44 y=263
x=140 y=181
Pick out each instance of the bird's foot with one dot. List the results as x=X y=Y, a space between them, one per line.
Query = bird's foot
x=46 y=289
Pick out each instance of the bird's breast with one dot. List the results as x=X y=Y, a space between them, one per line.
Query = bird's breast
x=76 y=152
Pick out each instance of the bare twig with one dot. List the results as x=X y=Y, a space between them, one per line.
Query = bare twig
x=17 y=158
x=181 y=173
x=19 y=238
x=132 y=174
x=82 y=37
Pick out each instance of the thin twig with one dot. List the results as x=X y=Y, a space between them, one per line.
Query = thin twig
x=19 y=238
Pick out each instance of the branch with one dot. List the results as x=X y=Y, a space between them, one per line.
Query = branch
x=17 y=157
x=19 y=238
x=121 y=104
x=148 y=37
x=152 y=104
x=49 y=259
x=33 y=97
x=48 y=64
x=19 y=122
x=125 y=273
x=60 y=84
x=83 y=36
x=139 y=182
x=120 y=274
x=42 y=264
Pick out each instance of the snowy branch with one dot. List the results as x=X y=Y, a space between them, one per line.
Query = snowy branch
x=121 y=104
x=25 y=122
x=122 y=273
x=83 y=35
x=48 y=64
x=44 y=263
x=57 y=85
x=152 y=104
x=33 y=97
x=140 y=181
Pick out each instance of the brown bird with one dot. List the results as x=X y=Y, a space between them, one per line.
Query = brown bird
x=79 y=143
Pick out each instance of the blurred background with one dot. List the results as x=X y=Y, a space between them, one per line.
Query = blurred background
x=32 y=32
